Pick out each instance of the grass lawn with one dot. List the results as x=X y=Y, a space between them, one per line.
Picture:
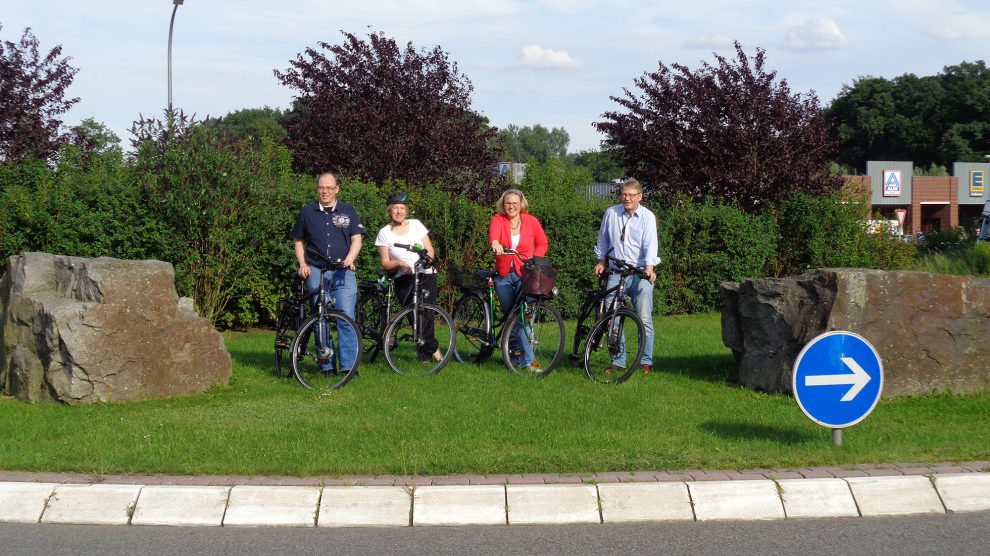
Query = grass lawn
x=482 y=419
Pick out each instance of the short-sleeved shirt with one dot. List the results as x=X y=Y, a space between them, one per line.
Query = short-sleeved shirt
x=327 y=231
x=387 y=238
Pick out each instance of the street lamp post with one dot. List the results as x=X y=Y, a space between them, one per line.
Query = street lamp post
x=171 y=24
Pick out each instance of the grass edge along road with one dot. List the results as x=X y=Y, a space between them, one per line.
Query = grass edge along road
x=687 y=414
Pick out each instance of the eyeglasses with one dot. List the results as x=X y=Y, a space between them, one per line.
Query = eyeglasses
x=327 y=188
x=629 y=195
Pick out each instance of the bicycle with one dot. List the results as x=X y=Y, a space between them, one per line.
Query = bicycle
x=618 y=333
x=291 y=311
x=374 y=310
x=316 y=347
x=409 y=350
x=592 y=309
x=479 y=332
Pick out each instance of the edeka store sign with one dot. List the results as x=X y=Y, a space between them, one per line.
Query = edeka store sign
x=976 y=179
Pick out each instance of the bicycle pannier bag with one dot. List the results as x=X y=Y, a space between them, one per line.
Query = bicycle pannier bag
x=539 y=277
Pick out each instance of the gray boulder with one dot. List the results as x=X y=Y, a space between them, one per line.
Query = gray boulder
x=96 y=330
x=932 y=331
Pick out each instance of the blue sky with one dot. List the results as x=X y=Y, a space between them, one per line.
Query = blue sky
x=552 y=62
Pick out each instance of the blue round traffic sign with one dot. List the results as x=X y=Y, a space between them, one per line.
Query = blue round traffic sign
x=837 y=379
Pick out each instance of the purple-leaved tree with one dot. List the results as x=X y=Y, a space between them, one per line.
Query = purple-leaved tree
x=380 y=112
x=32 y=99
x=731 y=131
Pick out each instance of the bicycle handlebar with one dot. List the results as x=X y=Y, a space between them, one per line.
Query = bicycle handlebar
x=330 y=264
x=623 y=266
x=425 y=260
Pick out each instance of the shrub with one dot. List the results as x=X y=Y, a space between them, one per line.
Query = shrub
x=829 y=231
x=971 y=261
x=219 y=199
x=704 y=244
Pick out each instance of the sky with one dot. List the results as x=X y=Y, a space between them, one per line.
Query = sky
x=550 y=62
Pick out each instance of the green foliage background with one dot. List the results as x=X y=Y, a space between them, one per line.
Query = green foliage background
x=220 y=208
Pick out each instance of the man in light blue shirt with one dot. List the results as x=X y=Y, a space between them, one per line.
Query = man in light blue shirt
x=630 y=231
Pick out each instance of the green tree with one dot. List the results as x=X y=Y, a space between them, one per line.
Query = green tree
x=602 y=164
x=255 y=123
x=931 y=120
x=534 y=143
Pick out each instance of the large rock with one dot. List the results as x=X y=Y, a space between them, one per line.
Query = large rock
x=96 y=330
x=932 y=331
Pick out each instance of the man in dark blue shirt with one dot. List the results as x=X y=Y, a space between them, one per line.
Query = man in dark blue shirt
x=333 y=229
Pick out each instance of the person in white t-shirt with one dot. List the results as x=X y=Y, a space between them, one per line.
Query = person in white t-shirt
x=409 y=231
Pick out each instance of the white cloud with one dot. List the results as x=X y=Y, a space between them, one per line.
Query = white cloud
x=709 y=41
x=944 y=33
x=536 y=56
x=821 y=33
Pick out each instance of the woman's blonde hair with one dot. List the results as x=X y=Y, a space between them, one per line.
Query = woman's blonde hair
x=523 y=203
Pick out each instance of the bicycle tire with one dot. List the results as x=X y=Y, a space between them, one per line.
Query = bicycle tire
x=587 y=316
x=285 y=333
x=307 y=363
x=370 y=316
x=473 y=325
x=610 y=338
x=402 y=350
x=544 y=331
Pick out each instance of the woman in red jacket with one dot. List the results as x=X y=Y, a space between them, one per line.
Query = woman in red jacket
x=513 y=227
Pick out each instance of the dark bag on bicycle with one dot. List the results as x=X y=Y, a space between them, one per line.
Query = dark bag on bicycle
x=539 y=277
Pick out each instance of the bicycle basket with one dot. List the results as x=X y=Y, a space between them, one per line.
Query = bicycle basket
x=466 y=278
x=539 y=277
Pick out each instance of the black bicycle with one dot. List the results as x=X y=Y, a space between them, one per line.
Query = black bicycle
x=616 y=342
x=480 y=332
x=592 y=309
x=318 y=347
x=291 y=310
x=420 y=339
x=374 y=310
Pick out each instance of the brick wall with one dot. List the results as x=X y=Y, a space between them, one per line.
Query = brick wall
x=938 y=189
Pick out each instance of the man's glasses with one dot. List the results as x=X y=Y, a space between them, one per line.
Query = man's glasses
x=629 y=195
x=327 y=188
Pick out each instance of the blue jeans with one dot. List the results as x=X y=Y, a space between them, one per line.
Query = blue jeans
x=507 y=288
x=341 y=285
x=641 y=293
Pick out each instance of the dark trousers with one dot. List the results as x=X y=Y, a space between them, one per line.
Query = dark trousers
x=428 y=294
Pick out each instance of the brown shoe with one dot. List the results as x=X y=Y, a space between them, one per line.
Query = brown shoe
x=647 y=368
x=614 y=370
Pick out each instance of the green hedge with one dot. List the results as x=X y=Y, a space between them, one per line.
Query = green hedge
x=221 y=211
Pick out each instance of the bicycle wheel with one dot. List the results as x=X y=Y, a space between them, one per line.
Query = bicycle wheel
x=408 y=355
x=586 y=319
x=614 y=348
x=540 y=333
x=473 y=323
x=320 y=350
x=371 y=320
x=285 y=333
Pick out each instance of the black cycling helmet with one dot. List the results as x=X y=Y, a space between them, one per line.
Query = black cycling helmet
x=398 y=197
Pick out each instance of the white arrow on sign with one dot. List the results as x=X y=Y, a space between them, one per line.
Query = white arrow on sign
x=858 y=379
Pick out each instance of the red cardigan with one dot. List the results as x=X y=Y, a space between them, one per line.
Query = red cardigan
x=532 y=241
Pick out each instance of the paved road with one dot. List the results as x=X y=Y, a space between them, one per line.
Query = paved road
x=960 y=534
